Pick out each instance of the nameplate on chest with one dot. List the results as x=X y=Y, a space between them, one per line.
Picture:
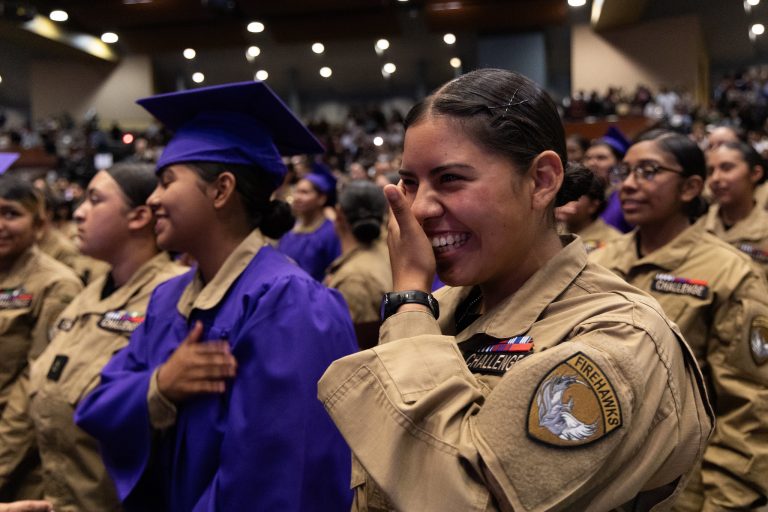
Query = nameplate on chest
x=755 y=253
x=667 y=283
x=121 y=321
x=15 y=298
x=494 y=356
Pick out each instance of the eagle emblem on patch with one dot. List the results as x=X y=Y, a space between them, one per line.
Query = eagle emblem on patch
x=15 y=298
x=575 y=404
x=667 y=283
x=121 y=321
x=758 y=339
x=753 y=252
x=497 y=356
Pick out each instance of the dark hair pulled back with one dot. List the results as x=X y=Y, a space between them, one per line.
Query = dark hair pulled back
x=13 y=188
x=255 y=186
x=363 y=205
x=508 y=114
x=750 y=155
x=137 y=181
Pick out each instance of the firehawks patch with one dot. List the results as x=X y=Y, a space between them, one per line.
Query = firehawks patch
x=484 y=354
x=121 y=321
x=15 y=298
x=755 y=253
x=575 y=404
x=667 y=283
x=758 y=339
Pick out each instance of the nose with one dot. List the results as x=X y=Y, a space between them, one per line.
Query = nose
x=630 y=182
x=153 y=201
x=79 y=214
x=425 y=204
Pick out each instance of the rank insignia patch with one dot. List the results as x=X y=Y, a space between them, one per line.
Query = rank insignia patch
x=121 y=321
x=498 y=356
x=666 y=283
x=758 y=339
x=593 y=245
x=15 y=298
x=755 y=253
x=575 y=404
x=57 y=366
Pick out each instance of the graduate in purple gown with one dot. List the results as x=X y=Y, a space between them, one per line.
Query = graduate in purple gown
x=313 y=243
x=212 y=406
x=602 y=156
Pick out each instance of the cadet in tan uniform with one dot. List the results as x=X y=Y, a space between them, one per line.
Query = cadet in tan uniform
x=362 y=273
x=541 y=382
x=717 y=298
x=735 y=170
x=34 y=288
x=114 y=225
x=582 y=217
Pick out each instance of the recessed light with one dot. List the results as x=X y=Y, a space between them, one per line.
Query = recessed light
x=58 y=15
x=109 y=37
x=255 y=27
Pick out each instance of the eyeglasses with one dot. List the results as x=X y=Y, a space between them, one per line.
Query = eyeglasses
x=645 y=170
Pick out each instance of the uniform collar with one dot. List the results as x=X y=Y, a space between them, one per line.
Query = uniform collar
x=671 y=256
x=752 y=227
x=121 y=296
x=198 y=295
x=518 y=312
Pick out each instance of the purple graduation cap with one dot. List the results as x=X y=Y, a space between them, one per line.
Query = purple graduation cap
x=616 y=139
x=241 y=123
x=6 y=160
x=322 y=178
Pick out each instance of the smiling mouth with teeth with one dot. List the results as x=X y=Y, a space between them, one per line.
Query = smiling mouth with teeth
x=445 y=243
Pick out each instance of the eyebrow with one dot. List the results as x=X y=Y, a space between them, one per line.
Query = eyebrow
x=440 y=168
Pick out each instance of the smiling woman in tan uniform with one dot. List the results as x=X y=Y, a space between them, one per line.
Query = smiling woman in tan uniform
x=735 y=171
x=717 y=298
x=543 y=382
x=34 y=288
x=114 y=225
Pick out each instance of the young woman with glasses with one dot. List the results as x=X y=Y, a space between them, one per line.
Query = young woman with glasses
x=717 y=298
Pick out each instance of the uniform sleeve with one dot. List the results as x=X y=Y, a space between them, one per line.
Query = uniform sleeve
x=57 y=297
x=432 y=438
x=17 y=434
x=356 y=294
x=117 y=413
x=735 y=469
x=280 y=450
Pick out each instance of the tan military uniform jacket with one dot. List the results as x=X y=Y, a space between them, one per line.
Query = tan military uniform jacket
x=598 y=234
x=573 y=394
x=720 y=302
x=749 y=235
x=362 y=276
x=761 y=195
x=56 y=245
x=32 y=294
x=41 y=412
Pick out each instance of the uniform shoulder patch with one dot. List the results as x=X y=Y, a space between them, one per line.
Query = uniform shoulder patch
x=574 y=404
x=667 y=283
x=15 y=298
x=758 y=339
x=121 y=321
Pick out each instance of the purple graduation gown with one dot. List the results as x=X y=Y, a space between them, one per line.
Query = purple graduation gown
x=613 y=216
x=266 y=444
x=315 y=251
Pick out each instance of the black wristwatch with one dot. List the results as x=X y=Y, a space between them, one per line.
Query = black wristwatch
x=393 y=300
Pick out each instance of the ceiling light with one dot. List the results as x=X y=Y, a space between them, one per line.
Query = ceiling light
x=255 y=27
x=109 y=37
x=58 y=15
x=252 y=52
x=389 y=68
x=449 y=38
x=753 y=3
x=262 y=75
x=198 y=77
x=1 y=79
x=455 y=63
x=402 y=1
x=758 y=29
x=382 y=44
x=326 y=72
x=127 y=138
x=189 y=54
x=577 y=3
x=378 y=141
x=318 y=48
